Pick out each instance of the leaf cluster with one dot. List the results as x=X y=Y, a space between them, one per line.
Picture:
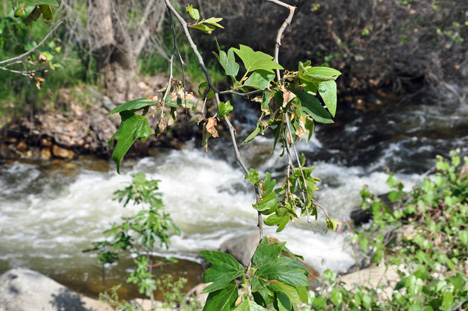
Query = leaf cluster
x=273 y=279
x=138 y=234
x=31 y=10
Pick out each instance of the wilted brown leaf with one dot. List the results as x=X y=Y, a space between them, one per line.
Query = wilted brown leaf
x=211 y=127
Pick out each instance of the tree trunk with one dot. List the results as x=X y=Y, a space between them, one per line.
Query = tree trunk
x=112 y=48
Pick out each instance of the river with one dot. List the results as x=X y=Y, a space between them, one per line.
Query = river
x=50 y=212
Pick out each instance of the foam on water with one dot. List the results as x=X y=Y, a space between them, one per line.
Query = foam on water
x=207 y=198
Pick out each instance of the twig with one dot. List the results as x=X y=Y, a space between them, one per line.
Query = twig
x=301 y=169
x=285 y=24
x=242 y=94
x=24 y=73
x=192 y=45
x=33 y=49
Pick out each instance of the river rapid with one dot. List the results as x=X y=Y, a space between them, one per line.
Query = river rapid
x=50 y=212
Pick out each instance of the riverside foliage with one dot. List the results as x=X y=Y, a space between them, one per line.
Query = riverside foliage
x=290 y=103
x=431 y=256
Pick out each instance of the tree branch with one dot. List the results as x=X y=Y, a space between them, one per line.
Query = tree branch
x=34 y=48
x=192 y=45
x=285 y=24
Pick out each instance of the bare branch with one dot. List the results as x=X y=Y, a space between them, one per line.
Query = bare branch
x=285 y=24
x=34 y=48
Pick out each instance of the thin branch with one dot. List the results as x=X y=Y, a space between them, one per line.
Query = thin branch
x=33 y=49
x=242 y=94
x=192 y=45
x=285 y=24
x=24 y=73
x=301 y=169
x=169 y=84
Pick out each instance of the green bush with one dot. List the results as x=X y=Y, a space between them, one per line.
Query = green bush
x=431 y=257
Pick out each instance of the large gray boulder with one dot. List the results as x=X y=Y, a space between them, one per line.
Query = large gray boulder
x=27 y=290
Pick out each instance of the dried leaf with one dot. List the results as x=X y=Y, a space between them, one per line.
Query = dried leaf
x=211 y=127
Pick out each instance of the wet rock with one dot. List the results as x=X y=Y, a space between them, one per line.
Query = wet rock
x=46 y=142
x=21 y=146
x=27 y=290
x=197 y=293
x=241 y=248
x=45 y=154
x=374 y=277
x=62 y=153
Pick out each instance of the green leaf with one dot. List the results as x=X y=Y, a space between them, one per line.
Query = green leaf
x=260 y=79
x=332 y=224
x=37 y=2
x=131 y=128
x=248 y=305
x=447 y=300
x=205 y=28
x=284 y=269
x=256 y=60
x=228 y=61
x=252 y=135
x=205 y=90
x=312 y=106
x=317 y=74
x=193 y=12
x=463 y=236
x=225 y=269
x=222 y=300
x=268 y=204
x=327 y=90
x=224 y=109
x=253 y=176
x=282 y=302
x=47 y=13
x=133 y=105
x=34 y=16
x=286 y=289
x=309 y=125
x=268 y=184
x=274 y=219
x=214 y=21
x=302 y=292
x=266 y=252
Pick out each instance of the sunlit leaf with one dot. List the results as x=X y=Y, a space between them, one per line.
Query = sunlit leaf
x=133 y=127
x=253 y=177
x=47 y=13
x=327 y=90
x=260 y=79
x=252 y=135
x=205 y=28
x=194 y=13
x=228 y=61
x=214 y=21
x=312 y=106
x=317 y=74
x=224 y=109
x=222 y=300
x=255 y=60
x=133 y=105
x=267 y=204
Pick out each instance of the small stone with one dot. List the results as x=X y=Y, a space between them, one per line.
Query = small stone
x=45 y=154
x=62 y=153
x=45 y=142
x=21 y=146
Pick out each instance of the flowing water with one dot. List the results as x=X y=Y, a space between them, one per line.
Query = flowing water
x=50 y=212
